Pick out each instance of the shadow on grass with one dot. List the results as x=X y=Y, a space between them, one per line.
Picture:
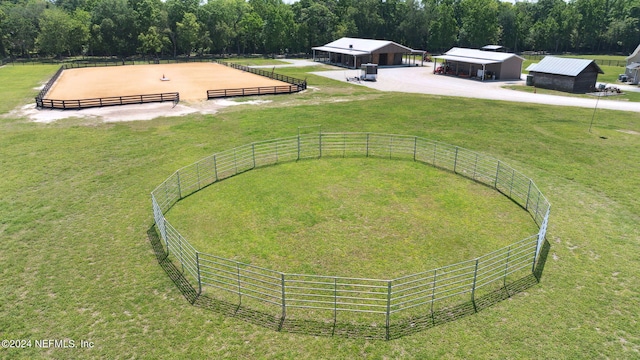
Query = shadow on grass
x=397 y=329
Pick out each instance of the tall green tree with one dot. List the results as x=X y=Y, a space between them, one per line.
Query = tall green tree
x=231 y=23
x=55 y=29
x=21 y=26
x=444 y=27
x=250 y=32
x=113 y=28
x=175 y=13
x=149 y=13
x=509 y=27
x=152 y=41
x=79 y=34
x=188 y=32
x=368 y=18
x=392 y=12
x=415 y=28
x=479 y=22
x=3 y=52
x=278 y=25
x=591 y=24
x=317 y=22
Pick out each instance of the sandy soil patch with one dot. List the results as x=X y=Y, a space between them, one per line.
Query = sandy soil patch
x=128 y=112
x=629 y=132
x=191 y=80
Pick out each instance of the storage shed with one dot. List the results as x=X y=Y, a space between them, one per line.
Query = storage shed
x=633 y=66
x=565 y=74
x=353 y=52
x=480 y=64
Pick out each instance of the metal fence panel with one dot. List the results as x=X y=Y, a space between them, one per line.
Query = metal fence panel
x=336 y=293
x=420 y=291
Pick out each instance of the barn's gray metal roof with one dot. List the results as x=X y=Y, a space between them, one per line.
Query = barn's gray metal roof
x=563 y=66
x=474 y=56
x=341 y=51
x=492 y=47
x=634 y=53
x=467 y=59
x=357 y=46
x=479 y=54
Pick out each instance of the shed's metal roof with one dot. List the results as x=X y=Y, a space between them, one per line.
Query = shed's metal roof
x=492 y=47
x=364 y=46
x=467 y=59
x=341 y=51
x=563 y=66
x=634 y=53
x=481 y=55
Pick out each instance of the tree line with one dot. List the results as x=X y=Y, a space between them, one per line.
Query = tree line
x=184 y=27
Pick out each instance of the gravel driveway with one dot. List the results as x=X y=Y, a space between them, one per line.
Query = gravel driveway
x=422 y=80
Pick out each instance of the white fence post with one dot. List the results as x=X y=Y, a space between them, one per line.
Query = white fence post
x=541 y=236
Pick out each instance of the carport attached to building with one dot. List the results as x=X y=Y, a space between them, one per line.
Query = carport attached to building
x=464 y=67
x=353 y=52
x=480 y=64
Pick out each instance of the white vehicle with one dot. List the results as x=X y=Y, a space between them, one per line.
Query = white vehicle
x=369 y=72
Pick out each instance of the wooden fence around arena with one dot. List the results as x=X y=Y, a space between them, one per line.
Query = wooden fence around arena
x=106 y=101
x=296 y=85
x=264 y=90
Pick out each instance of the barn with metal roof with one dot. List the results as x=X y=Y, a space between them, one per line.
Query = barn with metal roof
x=565 y=74
x=353 y=52
x=633 y=67
x=480 y=64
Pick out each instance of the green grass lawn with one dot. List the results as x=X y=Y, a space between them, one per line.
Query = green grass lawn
x=75 y=209
x=20 y=84
x=255 y=61
x=625 y=96
x=303 y=217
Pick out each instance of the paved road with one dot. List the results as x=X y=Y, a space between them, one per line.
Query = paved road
x=422 y=80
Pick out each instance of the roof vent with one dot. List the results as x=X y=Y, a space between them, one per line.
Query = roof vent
x=350 y=46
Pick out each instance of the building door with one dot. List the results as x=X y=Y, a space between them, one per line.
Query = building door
x=383 y=59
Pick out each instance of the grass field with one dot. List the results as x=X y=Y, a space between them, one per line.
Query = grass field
x=256 y=61
x=350 y=217
x=75 y=210
x=625 y=96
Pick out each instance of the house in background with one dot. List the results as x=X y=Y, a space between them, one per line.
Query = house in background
x=633 y=66
x=353 y=52
x=480 y=64
x=564 y=74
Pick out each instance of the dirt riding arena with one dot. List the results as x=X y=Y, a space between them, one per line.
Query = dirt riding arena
x=191 y=80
